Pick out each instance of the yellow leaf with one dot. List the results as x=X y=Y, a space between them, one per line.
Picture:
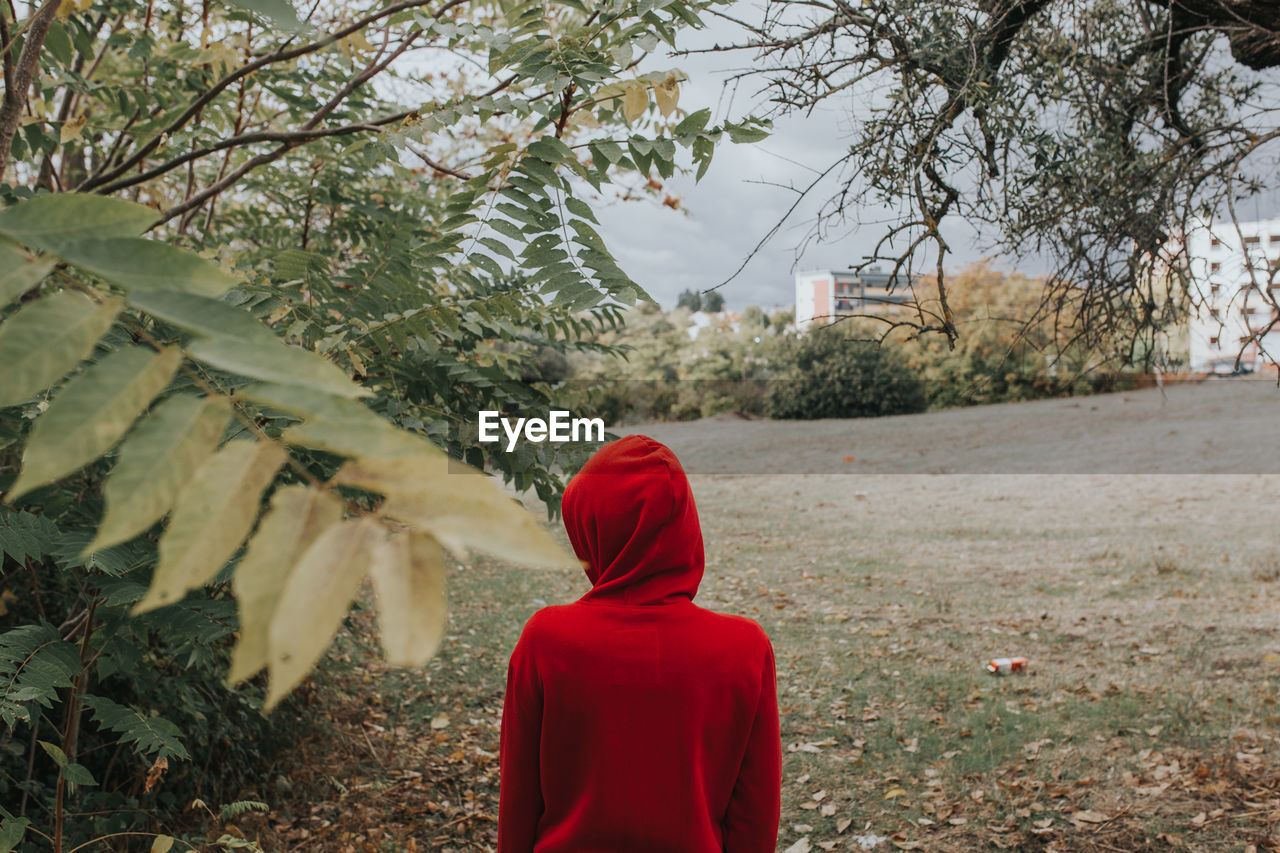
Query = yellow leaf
x=440 y=721
x=211 y=517
x=354 y=43
x=161 y=844
x=634 y=102
x=298 y=515
x=667 y=95
x=220 y=57
x=71 y=129
x=894 y=793
x=315 y=599
x=409 y=579
x=157 y=459
x=66 y=7
x=460 y=506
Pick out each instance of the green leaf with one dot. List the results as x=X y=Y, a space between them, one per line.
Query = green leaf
x=50 y=221
x=298 y=515
x=138 y=264
x=19 y=273
x=507 y=229
x=550 y=149
x=92 y=412
x=35 y=664
x=693 y=123
x=78 y=774
x=200 y=315
x=151 y=735
x=335 y=424
x=578 y=207
x=211 y=517
x=55 y=752
x=156 y=461
x=744 y=133
x=46 y=338
x=11 y=831
x=280 y=12
x=315 y=599
x=275 y=361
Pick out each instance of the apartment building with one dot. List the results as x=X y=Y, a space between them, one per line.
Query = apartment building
x=1233 y=269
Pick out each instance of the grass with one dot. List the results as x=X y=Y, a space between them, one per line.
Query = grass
x=1146 y=604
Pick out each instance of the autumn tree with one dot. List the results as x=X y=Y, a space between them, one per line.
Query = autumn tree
x=1095 y=133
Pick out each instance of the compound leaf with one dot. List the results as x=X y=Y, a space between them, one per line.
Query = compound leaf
x=211 y=517
x=92 y=412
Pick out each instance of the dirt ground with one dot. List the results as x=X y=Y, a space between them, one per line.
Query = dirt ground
x=1126 y=545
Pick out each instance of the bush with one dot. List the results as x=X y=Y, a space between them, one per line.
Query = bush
x=834 y=377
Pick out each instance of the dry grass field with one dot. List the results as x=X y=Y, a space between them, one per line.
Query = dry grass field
x=1125 y=544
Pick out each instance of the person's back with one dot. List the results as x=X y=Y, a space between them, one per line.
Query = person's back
x=635 y=720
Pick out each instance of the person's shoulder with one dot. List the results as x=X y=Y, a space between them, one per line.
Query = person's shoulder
x=745 y=629
x=547 y=621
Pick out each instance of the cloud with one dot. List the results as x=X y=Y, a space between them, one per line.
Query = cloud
x=747 y=190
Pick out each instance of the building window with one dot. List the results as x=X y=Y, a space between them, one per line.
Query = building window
x=1213 y=312
x=1214 y=241
x=1213 y=342
x=1214 y=288
x=1214 y=267
x=1253 y=238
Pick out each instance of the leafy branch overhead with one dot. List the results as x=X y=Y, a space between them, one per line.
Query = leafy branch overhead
x=305 y=563
x=260 y=265
x=248 y=298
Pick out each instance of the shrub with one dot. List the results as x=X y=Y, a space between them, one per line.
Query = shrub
x=833 y=376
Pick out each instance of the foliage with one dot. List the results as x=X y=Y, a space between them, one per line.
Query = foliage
x=338 y=281
x=668 y=373
x=690 y=299
x=1097 y=134
x=713 y=302
x=1008 y=348
x=835 y=376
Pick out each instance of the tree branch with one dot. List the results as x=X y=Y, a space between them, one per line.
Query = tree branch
x=18 y=85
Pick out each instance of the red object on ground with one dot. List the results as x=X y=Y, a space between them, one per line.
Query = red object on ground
x=1004 y=666
x=634 y=720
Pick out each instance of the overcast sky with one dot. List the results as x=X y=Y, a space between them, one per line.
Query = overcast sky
x=740 y=199
x=747 y=190
x=743 y=196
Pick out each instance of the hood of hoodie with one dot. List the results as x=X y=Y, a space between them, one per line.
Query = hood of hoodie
x=631 y=518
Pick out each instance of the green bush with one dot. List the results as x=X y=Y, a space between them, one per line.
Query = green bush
x=835 y=376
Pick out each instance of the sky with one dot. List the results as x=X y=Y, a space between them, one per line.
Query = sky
x=743 y=195
x=746 y=191
x=723 y=218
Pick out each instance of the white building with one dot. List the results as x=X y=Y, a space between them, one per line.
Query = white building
x=1230 y=272
x=822 y=296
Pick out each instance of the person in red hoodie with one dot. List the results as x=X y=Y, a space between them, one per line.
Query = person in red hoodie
x=634 y=720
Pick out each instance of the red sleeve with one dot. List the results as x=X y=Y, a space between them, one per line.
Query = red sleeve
x=520 y=799
x=751 y=823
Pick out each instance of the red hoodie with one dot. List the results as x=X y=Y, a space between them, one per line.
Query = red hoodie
x=634 y=720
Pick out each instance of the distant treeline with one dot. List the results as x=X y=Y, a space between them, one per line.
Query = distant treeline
x=756 y=363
